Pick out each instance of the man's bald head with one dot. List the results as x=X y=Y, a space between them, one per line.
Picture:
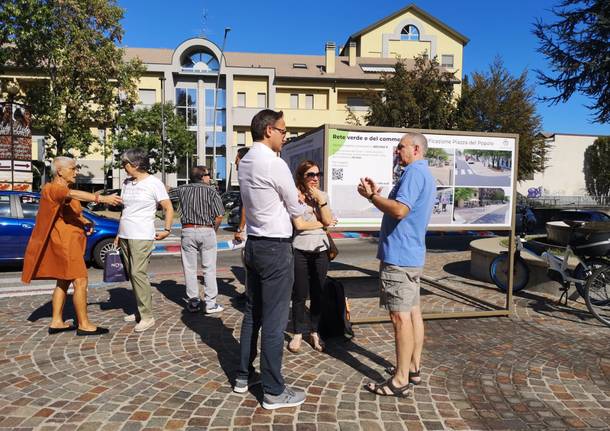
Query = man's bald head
x=61 y=162
x=417 y=139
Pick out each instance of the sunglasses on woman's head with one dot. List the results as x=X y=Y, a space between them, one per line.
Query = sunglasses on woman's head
x=313 y=174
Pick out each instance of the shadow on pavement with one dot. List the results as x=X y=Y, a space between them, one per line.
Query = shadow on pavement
x=345 y=350
x=121 y=298
x=211 y=329
x=46 y=311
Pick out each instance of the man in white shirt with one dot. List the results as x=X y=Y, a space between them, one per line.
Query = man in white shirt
x=270 y=199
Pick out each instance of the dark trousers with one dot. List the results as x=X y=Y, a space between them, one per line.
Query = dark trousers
x=310 y=270
x=269 y=266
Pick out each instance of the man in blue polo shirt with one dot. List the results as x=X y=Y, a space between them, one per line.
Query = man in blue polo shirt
x=402 y=253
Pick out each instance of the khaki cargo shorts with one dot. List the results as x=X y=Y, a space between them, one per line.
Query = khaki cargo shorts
x=399 y=287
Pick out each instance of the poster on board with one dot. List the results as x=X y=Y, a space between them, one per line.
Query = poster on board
x=473 y=175
x=309 y=147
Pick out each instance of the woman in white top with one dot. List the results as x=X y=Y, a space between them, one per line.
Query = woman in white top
x=141 y=193
x=310 y=256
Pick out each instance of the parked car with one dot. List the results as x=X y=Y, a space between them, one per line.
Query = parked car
x=231 y=199
x=17 y=216
x=582 y=215
x=525 y=220
x=92 y=206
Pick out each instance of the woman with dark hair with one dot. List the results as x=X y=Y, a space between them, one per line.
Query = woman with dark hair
x=141 y=193
x=310 y=256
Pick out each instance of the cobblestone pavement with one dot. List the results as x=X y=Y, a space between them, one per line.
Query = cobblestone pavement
x=547 y=367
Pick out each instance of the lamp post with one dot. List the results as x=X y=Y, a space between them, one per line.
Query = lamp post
x=222 y=54
x=12 y=89
x=163 y=137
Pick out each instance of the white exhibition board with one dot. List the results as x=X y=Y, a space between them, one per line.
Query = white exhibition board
x=474 y=174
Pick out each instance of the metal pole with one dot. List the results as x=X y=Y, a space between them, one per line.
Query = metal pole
x=163 y=137
x=10 y=104
x=222 y=53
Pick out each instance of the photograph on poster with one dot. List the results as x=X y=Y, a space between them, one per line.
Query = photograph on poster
x=443 y=206
x=481 y=205
x=441 y=165
x=483 y=168
x=347 y=203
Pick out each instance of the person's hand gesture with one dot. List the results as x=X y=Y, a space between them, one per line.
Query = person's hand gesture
x=112 y=200
x=316 y=194
x=367 y=187
x=161 y=235
x=238 y=236
x=89 y=227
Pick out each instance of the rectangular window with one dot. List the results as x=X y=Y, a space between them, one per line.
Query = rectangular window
x=186 y=106
x=309 y=101
x=357 y=103
x=241 y=100
x=241 y=139
x=261 y=99
x=294 y=101
x=147 y=97
x=447 y=61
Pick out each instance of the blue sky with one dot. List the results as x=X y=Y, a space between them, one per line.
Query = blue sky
x=495 y=28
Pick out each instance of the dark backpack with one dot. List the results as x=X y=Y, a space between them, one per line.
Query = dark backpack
x=335 y=318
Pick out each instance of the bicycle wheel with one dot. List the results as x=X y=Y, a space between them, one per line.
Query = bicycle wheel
x=581 y=273
x=597 y=294
x=498 y=271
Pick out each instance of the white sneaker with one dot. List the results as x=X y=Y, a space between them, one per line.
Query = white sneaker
x=144 y=324
x=217 y=308
x=129 y=318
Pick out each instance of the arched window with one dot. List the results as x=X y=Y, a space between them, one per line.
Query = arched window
x=409 y=32
x=200 y=62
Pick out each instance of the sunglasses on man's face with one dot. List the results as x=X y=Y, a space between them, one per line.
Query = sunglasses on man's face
x=313 y=175
x=207 y=174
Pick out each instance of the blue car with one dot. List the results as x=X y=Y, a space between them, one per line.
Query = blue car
x=17 y=216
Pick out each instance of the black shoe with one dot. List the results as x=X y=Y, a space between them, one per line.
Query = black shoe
x=194 y=305
x=98 y=331
x=58 y=330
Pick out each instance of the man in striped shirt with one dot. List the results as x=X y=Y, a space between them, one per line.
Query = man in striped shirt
x=201 y=213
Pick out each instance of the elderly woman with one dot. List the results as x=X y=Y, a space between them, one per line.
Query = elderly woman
x=141 y=193
x=57 y=245
x=310 y=255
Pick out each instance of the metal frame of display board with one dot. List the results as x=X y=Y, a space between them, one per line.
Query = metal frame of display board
x=509 y=306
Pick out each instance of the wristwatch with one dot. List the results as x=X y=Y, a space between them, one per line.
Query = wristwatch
x=370 y=198
x=238 y=230
x=167 y=230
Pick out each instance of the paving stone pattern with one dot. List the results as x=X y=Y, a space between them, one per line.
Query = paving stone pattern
x=547 y=367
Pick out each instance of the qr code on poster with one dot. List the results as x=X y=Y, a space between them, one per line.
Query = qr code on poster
x=338 y=174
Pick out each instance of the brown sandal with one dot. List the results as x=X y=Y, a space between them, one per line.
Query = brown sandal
x=391 y=370
x=395 y=391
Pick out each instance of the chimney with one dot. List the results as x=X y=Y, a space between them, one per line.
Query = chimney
x=351 y=52
x=330 y=57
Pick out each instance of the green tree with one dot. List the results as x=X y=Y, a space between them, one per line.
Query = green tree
x=496 y=101
x=463 y=193
x=142 y=128
x=597 y=161
x=576 y=46
x=72 y=46
x=437 y=153
x=419 y=97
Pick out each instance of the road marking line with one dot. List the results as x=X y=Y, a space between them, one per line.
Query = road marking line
x=34 y=293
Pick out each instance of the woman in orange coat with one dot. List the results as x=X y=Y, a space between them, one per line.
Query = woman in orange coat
x=57 y=245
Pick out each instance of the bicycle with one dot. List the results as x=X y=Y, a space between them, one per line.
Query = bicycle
x=588 y=243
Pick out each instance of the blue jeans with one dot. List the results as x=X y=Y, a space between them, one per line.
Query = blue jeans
x=270 y=271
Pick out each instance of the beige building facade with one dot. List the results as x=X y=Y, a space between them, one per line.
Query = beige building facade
x=564 y=175
x=310 y=89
